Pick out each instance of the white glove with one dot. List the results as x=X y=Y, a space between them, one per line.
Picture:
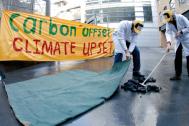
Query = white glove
x=168 y=46
x=128 y=55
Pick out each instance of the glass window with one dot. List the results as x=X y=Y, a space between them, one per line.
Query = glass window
x=115 y=14
x=92 y=13
x=118 y=14
x=21 y=5
x=147 y=13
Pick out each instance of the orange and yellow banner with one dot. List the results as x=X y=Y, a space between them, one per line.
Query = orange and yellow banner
x=32 y=37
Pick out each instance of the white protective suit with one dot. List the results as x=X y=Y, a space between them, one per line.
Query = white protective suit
x=182 y=25
x=122 y=34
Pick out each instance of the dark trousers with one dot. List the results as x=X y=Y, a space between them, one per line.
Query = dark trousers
x=178 y=61
x=136 y=58
x=118 y=57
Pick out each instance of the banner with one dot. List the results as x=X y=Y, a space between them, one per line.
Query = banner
x=32 y=37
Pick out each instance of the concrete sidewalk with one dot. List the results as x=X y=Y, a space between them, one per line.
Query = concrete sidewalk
x=167 y=108
x=170 y=107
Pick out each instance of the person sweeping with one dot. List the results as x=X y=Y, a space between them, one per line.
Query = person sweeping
x=177 y=26
x=124 y=39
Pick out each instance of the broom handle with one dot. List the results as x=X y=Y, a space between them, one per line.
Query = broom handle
x=154 y=69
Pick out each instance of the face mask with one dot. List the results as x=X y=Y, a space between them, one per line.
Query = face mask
x=166 y=18
x=138 y=29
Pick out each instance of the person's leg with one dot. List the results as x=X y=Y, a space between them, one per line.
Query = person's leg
x=187 y=60
x=178 y=64
x=136 y=65
x=118 y=57
x=136 y=60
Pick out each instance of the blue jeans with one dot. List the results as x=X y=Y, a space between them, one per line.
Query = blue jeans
x=136 y=58
x=118 y=57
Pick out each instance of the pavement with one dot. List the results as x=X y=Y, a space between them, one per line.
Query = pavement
x=170 y=107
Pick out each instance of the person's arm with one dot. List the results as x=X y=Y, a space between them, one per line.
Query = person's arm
x=124 y=47
x=186 y=24
x=121 y=33
x=132 y=44
x=168 y=35
x=123 y=44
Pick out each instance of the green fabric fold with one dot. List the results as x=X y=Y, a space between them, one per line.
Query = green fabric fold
x=51 y=100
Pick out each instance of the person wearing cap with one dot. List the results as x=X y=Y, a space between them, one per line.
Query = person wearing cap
x=177 y=26
x=124 y=39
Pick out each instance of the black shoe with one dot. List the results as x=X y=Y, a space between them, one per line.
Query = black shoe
x=175 y=78
x=139 y=79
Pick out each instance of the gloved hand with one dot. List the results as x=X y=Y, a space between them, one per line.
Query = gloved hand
x=178 y=34
x=168 y=46
x=128 y=55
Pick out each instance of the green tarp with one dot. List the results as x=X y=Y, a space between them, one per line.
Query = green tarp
x=51 y=100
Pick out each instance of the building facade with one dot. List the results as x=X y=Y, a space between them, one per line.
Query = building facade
x=18 y=5
x=111 y=12
x=29 y=6
x=107 y=12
